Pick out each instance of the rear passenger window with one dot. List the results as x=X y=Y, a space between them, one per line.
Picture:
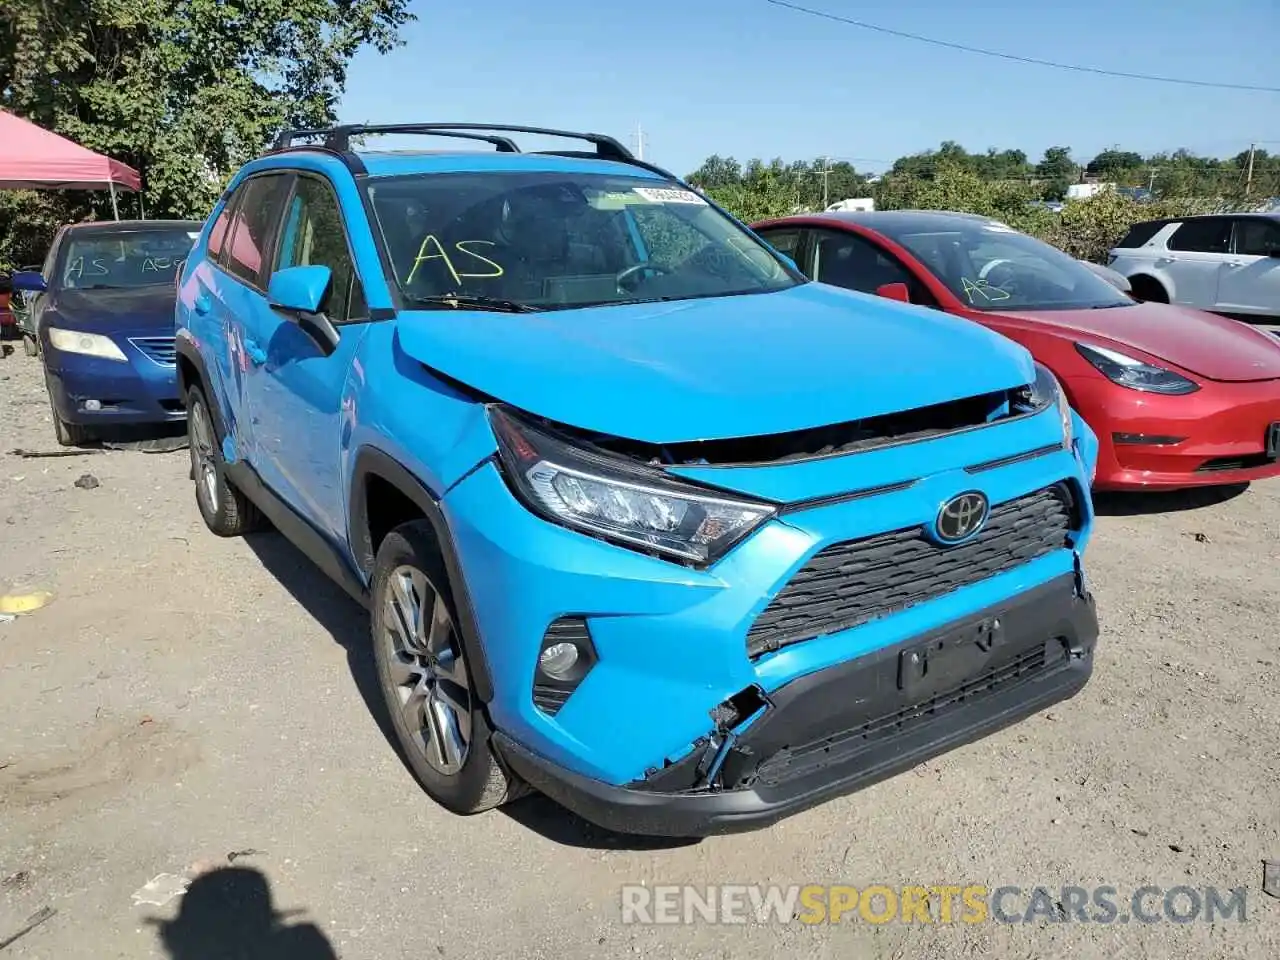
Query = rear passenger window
x=1140 y=233
x=218 y=232
x=257 y=208
x=313 y=235
x=1210 y=235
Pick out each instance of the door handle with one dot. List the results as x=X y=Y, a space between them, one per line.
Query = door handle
x=257 y=356
x=202 y=304
x=1234 y=263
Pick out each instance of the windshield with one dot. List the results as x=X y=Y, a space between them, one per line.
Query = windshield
x=562 y=240
x=124 y=260
x=992 y=267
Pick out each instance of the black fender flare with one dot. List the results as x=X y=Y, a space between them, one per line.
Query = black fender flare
x=188 y=351
x=370 y=461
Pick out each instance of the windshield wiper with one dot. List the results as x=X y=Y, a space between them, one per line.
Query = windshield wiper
x=495 y=304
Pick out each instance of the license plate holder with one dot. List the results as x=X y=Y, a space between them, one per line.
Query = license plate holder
x=948 y=660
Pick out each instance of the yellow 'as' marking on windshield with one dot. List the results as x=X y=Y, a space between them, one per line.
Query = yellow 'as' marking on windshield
x=442 y=254
x=988 y=292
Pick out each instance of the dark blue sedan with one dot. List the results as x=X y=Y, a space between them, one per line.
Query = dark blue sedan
x=103 y=318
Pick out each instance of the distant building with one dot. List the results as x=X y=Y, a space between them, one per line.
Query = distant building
x=853 y=205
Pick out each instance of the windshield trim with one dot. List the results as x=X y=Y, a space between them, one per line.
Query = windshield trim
x=401 y=300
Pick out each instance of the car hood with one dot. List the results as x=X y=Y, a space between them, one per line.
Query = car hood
x=717 y=368
x=138 y=310
x=1202 y=343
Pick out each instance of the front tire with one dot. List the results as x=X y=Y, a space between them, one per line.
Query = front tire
x=68 y=434
x=423 y=671
x=226 y=511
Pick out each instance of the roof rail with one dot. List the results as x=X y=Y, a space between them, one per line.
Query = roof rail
x=338 y=139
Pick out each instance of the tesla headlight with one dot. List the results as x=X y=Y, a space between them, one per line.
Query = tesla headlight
x=1045 y=391
x=1127 y=371
x=617 y=500
x=88 y=344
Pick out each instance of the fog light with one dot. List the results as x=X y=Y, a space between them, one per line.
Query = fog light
x=558 y=660
x=93 y=405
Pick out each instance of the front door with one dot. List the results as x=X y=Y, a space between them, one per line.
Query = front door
x=1250 y=281
x=1198 y=250
x=296 y=391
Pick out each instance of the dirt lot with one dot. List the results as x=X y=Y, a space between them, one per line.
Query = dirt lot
x=184 y=697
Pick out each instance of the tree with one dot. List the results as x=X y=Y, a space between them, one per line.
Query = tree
x=185 y=91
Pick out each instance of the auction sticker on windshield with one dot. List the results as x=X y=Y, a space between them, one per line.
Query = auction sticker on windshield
x=667 y=195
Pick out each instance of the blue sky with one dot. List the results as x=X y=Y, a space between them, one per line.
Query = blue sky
x=744 y=78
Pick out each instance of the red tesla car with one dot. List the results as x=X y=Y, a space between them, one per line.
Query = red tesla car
x=1177 y=397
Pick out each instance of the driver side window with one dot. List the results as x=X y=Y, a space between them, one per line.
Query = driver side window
x=313 y=235
x=847 y=260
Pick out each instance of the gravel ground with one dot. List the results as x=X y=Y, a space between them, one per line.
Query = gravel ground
x=184 y=697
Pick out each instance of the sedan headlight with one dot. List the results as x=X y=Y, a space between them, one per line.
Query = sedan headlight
x=1044 y=391
x=88 y=344
x=617 y=500
x=1127 y=371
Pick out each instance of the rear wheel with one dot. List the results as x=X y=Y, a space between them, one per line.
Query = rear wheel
x=1148 y=289
x=226 y=511
x=426 y=679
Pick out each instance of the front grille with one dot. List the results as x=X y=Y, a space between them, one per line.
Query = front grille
x=159 y=349
x=851 y=583
x=797 y=761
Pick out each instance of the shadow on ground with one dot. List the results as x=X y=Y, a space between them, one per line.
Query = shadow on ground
x=228 y=913
x=1142 y=504
x=348 y=623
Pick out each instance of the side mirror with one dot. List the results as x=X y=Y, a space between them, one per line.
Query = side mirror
x=299 y=292
x=30 y=281
x=894 y=291
x=299 y=289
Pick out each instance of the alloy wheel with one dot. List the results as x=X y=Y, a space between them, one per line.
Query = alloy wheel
x=427 y=669
x=206 y=471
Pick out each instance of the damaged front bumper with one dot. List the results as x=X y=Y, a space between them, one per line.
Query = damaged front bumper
x=847 y=726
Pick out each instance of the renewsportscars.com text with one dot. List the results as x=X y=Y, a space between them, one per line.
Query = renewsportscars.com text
x=933 y=904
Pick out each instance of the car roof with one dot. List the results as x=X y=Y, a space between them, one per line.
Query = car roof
x=132 y=226
x=1248 y=215
x=891 y=220
x=404 y=163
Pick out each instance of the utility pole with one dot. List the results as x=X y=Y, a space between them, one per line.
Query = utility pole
x=639 y=141
x=1248 y=177
x=826 y=174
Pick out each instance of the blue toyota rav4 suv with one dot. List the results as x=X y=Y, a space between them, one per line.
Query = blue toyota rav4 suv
x=645 y=520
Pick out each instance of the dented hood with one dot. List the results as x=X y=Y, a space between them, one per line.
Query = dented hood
x=719 y=367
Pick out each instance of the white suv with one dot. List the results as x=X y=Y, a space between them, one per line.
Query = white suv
x=1227 y=263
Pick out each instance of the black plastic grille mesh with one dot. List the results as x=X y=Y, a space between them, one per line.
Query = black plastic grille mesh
x=851 y=583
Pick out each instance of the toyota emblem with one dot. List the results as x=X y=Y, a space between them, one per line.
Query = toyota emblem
x=961 y=517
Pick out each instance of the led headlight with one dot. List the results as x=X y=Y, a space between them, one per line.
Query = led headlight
x=617 y=500
x=88 y=344
x=1127 y=371
x=1044 y=391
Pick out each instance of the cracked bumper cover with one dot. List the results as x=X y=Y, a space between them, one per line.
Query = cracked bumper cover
x=844 y=728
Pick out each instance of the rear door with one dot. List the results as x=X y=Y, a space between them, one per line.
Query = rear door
x=231 y=290
x=1198 y=250
x=1250 y=281
x=296 y=389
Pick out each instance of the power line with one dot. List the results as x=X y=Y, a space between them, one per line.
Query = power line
x=1018 y=59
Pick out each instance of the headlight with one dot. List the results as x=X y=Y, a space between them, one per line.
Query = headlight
x=617 y=500
x=1045 y=391
x=89 y=344
x=1127 y=371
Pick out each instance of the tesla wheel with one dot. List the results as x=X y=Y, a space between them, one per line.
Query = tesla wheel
x=1148 y=289
x=422 y=668
x=226 y=511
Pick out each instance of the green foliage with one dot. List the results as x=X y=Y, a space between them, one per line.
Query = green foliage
x=184 y=91
x=774 y=189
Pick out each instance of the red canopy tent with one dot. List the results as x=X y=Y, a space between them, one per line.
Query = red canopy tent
x=32 y=158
